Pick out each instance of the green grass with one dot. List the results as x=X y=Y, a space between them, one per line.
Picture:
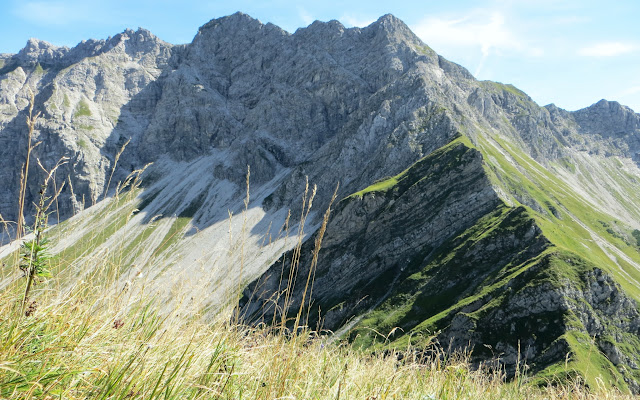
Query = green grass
x=38 y=69
x=538 y=188
x=426 y=50
x=82 y=109
x=591 y=364
x=102 y=226
x=387 y=183
x=175 y=233
x=507 y=88
x=567 y=164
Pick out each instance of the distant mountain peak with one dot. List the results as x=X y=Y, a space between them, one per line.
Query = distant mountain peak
x=34 y=44
x=607 y=118
x=238 y=19
x=390 y=20
x=37 y=50
x=395 y=29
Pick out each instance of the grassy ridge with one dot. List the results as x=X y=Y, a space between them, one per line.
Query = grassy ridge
x=453 y=282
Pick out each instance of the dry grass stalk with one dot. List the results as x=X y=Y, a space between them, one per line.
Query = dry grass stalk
x=307 y=200
x=115 y=164
x=314 y=261
x=24 y=173
x=244 y=227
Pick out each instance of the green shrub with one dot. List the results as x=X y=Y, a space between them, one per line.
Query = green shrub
x=82 y=110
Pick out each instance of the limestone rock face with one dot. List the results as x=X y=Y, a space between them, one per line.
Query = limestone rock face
x=375 y=236
x=85 y=97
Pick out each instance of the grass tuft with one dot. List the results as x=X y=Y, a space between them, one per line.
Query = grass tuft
x=82 y=110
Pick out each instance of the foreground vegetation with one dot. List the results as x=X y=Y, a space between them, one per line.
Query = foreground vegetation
x=88 y=340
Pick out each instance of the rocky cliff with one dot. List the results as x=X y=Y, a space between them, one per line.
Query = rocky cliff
x=466 y=212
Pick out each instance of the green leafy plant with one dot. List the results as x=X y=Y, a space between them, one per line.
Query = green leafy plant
x=33 y=253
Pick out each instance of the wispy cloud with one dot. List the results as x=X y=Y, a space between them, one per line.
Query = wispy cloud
x=630 y=91
x=306 y=18
x=629 y=96
x=359 y=21
x=485 y=30
x=608 y=49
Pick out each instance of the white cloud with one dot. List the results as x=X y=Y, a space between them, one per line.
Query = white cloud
x=360 y=22
x=607 y=49
x=483 y=30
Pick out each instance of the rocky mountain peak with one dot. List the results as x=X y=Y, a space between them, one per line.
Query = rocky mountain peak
x=134 y=43
x=390 y=23
x=607 y=118
x=237 y=21
x=394 y=29
x=233 y=35
x=612 y=106
x=39 y=51
x=137 y=41
x=140 y=35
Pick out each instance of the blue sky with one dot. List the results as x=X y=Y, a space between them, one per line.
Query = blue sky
x=568 y=52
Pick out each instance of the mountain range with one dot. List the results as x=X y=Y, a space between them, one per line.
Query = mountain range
x=467 y=216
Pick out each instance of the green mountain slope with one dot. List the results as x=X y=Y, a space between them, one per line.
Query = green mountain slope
x=530 y=276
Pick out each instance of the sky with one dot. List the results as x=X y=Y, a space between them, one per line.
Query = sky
x=568 y=52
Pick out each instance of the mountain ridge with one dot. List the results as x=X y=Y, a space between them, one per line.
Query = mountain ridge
x=398 y=126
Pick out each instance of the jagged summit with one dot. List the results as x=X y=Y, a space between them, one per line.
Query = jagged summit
x=608 y=118
x=318 y=26
x=391 y=23
x=238 y=20
x=139 y=36
x=39 y=51
x=611 y=106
